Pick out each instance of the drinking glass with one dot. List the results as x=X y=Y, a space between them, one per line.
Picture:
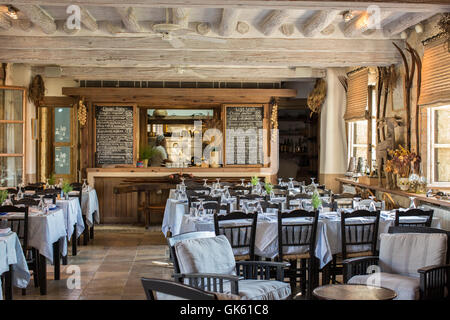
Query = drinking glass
x=280 y=181
x=312 y=181
x=356 y=202
x=182 y=181
x=412 y=204
x=194 y=211
x=41 y=205
x=205 y=184
x=85 y=185
x=19 y=193
x=226 y=194
x=291 y=183
x=372 y=206
x=243 y=182
x=201 y=210
x=47 y=185
x=8 y=201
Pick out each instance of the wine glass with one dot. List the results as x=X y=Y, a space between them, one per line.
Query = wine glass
x=8 y=201
x=205 y=184
x=201 y=209
x=19 y=192
x=193 y=210
x=226 y=194
x=372 y=206
x=412 y=204
x=280 y=181
x=41 y=205
x=291 y=183
x=242 y=182
x=312 y=181
x=85 y=185
x=182 y=181
x=356 y=202
x=218 y=183
x=47 y=185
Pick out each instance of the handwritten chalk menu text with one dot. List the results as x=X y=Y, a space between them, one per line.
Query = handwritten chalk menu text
x=114 y=135
x=244 y=135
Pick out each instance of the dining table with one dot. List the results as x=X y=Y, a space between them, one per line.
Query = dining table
x=73 y=218
x=90 y=211
x=13 y=262
x=46 y=233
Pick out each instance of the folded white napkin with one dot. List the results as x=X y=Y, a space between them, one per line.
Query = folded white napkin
x=5 y=231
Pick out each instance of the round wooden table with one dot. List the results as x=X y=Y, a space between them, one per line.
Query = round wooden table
x=353 y=292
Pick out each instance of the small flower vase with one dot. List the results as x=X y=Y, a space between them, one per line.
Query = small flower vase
x=66 y=196
x=403 y=183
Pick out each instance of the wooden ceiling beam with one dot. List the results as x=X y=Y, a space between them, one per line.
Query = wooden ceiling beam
x=129 y=19
x=39 y=17
x=140 y=58
x=88 y=20
x=405 y=21
x=273 y=21
x=5 y=23
x=181 y=16
x=399 y=5
x=229 y=21
x=318 y=22
x=156 y=44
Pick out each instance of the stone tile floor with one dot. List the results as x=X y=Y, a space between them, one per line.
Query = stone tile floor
x=110 y=267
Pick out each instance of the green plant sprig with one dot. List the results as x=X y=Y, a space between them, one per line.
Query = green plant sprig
x=66 y=187
x=3 y=196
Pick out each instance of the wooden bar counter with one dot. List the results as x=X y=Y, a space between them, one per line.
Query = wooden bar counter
x=124 y=207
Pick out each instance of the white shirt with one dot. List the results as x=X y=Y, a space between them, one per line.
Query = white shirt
x=159 y=157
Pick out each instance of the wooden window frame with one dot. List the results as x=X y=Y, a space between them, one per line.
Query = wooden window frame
x=24 y=129
x=432 y=146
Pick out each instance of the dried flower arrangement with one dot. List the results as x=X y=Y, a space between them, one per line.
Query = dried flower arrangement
x=317 y=96
x=402 y=162
x=82 y=113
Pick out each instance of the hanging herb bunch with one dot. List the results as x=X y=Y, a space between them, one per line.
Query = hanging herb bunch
x=36 y=90
x=82 y=113
x=274 y=120
x=317 y=96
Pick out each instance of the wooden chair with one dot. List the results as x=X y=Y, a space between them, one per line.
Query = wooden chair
x=241 y=236
x=19 y=225
x=269 y=205
x=27 y=201
x=34 y=187
x=428 y=214
x=154 y=286
x=363 y=235
x=430 y=281
x=300 y=237
x=235 y=277
x=343 y=200
x=203 y=198
x=299 y=197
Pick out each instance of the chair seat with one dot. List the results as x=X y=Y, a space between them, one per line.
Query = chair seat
x=261 y=289
x=407 y=288
x=242 y=257
x=296 y=256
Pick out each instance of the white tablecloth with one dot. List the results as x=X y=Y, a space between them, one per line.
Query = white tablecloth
x=328 y=241
x=11 y=253
x=72 y=215
x=89 y=206
x=44 y=230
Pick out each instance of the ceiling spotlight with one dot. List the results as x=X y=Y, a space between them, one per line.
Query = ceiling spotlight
x=348 y=15
x=403 y=35
x=419 y=28
x=12 y=12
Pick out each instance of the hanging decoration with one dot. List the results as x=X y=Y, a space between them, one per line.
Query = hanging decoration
x=82 y=113
x=274 y=120
x=317 y=96
x=36 y=90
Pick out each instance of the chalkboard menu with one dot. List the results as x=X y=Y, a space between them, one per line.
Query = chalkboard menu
x=244 y=135
x=114 y=135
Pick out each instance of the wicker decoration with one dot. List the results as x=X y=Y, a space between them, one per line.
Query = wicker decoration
x=36 y=90
x=274 y=121
x=317 y=96
x=82 y=113
x=212 y=123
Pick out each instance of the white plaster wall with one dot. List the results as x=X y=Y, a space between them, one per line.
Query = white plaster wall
x=333 y=142
x=53 y=86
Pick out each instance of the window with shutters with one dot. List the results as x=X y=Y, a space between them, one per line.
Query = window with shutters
x=439 y=146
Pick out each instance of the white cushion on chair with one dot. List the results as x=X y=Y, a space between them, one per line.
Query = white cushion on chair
x=405 y=253
x=407 y=288
x=206 y=255
x=261 y=289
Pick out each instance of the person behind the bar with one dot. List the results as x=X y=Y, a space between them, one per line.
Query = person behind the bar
x=160 y=156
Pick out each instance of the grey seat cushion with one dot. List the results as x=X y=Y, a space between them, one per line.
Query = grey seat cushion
x=261 y=289
x=407 y=288
x=206 y=255
x=405 y=253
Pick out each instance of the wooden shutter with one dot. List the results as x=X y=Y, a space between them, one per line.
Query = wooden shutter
x=435 y=86
x=357 y=94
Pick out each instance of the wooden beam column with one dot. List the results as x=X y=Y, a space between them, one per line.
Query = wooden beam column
x=273 y=21
x=39 y=17
x=129 y=19
x=318 y=22
x=229 y=21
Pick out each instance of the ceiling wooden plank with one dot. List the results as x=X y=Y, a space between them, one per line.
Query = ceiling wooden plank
x=398 y=5
x=318 y=22
x=181 y=16
x=156 y=44
x=140 y=58
x=5 y=23
x=129 y=19
x=273 y=21
x=228 y=21
x=88 y=20
x=405 y=21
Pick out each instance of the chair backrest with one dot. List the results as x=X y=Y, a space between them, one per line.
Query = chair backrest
x=172 y=241
x=28 y=201
x=76 y=185
x=49 y=194
x=18 y=224
x=428 y=214
x=196 y=198
x=299 y=197
x=34 y=187
x=407 y=229
x=269 y=205
x=240 y=198
x=359 y=233
x=153 y=287
x=380 y=205
x=197 y=190
x=205 y=255
x=79 y=194
x=241 y=234
x=301 y=235
x=405 y=253
x=212 y=207
x=12 y=190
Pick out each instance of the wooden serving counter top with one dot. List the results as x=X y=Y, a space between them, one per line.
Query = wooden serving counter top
x=419 y=196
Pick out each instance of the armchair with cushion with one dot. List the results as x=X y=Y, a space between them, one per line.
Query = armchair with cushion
x=413 y=261
x=206 y=261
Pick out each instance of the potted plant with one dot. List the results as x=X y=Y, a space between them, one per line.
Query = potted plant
x=316 y=202
x=3 y=196
x=146 y=153
x=66 y=188
x=51 y=181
